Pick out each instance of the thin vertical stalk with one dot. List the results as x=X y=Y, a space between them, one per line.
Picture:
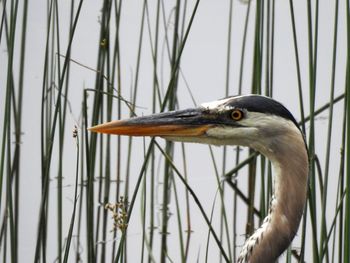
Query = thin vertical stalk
x=169 y=148
x=227 y=87
x=44 y=131
x=256 y=88
x=10 y=90
x=342 y=169
x=117 y=64
x=346 y=248
x=297 y=62
x=188 y=215
x=60 y=138
x=312 y=87
x=83 y=124
x=71 y=227
x=154 y=99
x=329 y=136
x=268 y=60
x=18 y=122
x=244 y=42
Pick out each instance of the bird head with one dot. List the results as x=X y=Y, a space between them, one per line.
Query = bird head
x=250 y=120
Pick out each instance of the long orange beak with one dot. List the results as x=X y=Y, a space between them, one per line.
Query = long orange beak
x=182 y=123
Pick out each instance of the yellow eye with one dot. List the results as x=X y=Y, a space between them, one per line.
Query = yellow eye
x=236 y=115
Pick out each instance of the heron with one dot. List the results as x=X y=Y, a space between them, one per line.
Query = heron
x=254 y=121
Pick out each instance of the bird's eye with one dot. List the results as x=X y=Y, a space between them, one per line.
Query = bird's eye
x=236 y=115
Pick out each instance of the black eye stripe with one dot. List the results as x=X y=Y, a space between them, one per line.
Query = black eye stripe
x=256 y=103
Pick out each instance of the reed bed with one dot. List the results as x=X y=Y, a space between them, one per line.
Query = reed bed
x=68 y=195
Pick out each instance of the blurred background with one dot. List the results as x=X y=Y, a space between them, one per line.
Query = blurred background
x=68 y=195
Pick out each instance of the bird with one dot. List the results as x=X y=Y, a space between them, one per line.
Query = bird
x=254 y=121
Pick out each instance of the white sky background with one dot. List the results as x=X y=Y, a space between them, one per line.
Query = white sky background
x=204 y=66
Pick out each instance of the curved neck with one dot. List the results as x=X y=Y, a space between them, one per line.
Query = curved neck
x=273 y=237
